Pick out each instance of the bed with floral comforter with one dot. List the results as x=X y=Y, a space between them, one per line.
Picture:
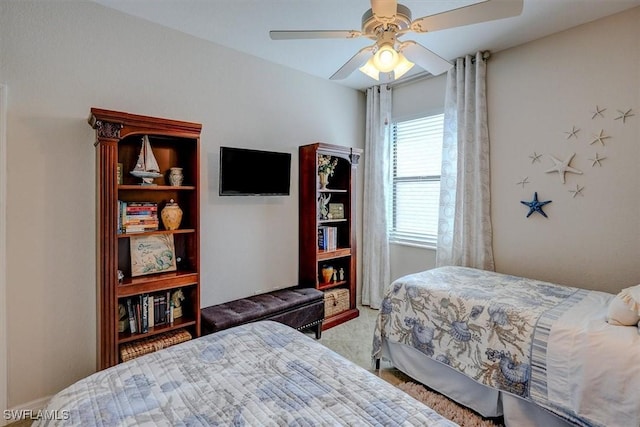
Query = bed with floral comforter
x=259 y=374
x=524 y=337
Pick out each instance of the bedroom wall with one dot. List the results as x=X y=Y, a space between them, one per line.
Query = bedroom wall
x=536 y=92
x=58 y=59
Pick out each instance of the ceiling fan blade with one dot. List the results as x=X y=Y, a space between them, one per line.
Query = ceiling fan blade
x=426 y=59
x=384 y=9
x=317 y=34
x=487 y=10
x=356 y=61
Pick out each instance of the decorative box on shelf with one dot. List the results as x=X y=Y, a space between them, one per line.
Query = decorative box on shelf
x=336 y=301
x=149 y=345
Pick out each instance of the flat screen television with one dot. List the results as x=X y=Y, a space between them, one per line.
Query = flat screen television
x=245 y=172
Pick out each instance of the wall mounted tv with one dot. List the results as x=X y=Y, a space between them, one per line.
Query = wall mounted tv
x=245 y=172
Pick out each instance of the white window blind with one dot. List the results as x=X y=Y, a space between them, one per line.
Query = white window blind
x=417 y=158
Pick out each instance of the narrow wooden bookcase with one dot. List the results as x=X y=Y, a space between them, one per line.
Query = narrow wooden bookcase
x=118 y=142
x=340 y=192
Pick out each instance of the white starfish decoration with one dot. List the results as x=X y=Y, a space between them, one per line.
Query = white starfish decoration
x=624 y=115
x=535 y=157
x=563 y=167
x=577 y=191
x=598 y=112
x=600 y=138
x=573 y=133
x=596 y=160
x=523 y=181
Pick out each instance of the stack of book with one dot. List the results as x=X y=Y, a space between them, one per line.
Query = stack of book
x=137 y=217
x=327 y=238
x=146 y=311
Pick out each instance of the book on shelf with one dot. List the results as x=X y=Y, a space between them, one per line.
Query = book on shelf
x=136 y=306
x=132 y=316
x=144 y=302
x=327 y=238
x=157 y=303
x=169 y=309
x=161 y=304
x=123 y=317
x=150 y=315
x=137 y=217
x=140 y=228
x=141 y=206
x=145 y=311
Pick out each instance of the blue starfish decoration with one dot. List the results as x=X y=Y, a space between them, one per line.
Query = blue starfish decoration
x=535 y=205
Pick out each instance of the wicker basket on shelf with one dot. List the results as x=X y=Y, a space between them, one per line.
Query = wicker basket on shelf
x=149 y=345
x=336 y=301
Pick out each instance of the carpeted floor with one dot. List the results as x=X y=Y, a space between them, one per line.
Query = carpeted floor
x=445 y=407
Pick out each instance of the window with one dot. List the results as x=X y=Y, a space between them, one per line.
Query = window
x=417 y=158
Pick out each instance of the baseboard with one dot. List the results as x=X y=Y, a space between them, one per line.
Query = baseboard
x=24 y=411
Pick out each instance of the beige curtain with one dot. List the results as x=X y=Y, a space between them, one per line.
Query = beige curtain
x=464 y=225
x=377 y=178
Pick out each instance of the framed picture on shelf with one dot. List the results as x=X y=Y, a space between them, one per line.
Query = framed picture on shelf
x=152 y=254
x=336 y=211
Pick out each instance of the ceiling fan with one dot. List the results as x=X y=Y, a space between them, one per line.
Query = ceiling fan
x=387 y=20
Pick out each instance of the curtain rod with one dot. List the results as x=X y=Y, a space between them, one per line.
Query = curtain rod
x=486 y=54
x=426 y=75
x=412 y=79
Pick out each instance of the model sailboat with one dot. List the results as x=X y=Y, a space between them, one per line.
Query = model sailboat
x=146 y=167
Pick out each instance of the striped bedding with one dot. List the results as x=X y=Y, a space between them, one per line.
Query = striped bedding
x=520 y=336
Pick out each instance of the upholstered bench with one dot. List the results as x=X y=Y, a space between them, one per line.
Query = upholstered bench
x=300 y=308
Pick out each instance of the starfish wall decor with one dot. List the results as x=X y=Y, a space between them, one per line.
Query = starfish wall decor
x=596 y=160
x=523 y=181
x=598 y=112
x=535 y=157
x=600 y=138
x=535 y=205
x=573 y=133
x=562 y=167
x=624 y=115
x=577 y=191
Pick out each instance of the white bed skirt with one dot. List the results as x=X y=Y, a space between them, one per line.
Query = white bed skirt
x=486 y=401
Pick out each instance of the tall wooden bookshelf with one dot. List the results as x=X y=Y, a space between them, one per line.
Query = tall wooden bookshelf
x=118 y=143
x=339 y=192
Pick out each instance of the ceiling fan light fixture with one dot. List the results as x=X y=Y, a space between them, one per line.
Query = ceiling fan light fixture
x=386 y=58
x=387 y=21
x=403 y=66
x=370 y=69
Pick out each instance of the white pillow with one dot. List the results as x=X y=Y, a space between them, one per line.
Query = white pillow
x=624 y=308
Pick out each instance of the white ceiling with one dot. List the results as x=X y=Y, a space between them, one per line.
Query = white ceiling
x=244 y=25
